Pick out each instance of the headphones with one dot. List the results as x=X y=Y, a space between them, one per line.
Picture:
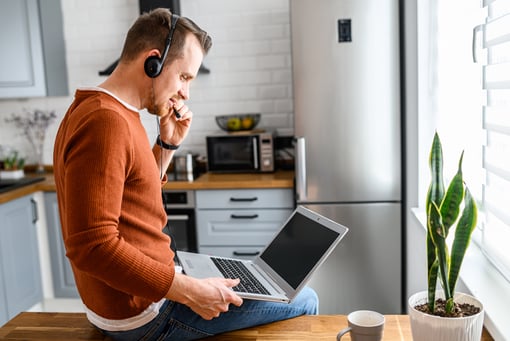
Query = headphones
x=153 y=64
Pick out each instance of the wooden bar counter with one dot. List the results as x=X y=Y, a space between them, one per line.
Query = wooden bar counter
x=75 y=326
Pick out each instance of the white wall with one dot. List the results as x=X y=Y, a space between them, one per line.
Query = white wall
x=250 y=64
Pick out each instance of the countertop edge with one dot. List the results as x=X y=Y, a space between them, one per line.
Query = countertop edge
x=207 y=181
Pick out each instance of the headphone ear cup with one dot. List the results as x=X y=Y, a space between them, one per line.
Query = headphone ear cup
x=152 y=66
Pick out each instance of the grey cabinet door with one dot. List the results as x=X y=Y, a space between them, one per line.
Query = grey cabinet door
x=19 y=255
x=239 y=227
x=63 y=279
x=3 y=302
x=21 y=60
x=245 y=198
x=33 y=59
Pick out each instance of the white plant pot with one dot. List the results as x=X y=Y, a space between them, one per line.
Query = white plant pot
x=430 y=327
x=12 y=174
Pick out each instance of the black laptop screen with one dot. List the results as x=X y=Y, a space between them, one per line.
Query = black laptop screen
x=297 y=248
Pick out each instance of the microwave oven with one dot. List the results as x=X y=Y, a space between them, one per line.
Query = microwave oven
x=242 y=152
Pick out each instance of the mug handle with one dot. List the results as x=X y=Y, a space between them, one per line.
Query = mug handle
x=342 y=333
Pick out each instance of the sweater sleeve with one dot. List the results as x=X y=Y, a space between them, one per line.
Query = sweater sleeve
x=98 y=160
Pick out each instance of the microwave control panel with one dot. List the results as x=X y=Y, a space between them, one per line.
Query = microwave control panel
x=266 y=152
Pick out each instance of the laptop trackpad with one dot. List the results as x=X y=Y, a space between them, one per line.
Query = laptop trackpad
x=200 y=266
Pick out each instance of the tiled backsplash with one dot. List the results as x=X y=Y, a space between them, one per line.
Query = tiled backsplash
x=250 y=64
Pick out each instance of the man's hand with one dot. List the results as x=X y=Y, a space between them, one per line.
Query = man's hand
x=175 y=127
x=207 y=297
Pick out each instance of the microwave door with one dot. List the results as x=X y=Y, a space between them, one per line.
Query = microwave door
x=255 y=153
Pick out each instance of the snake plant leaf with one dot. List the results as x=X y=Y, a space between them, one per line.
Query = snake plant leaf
x=432 y=267
x=450 y=305
x=436 y=189
x=432 y=279
x=450 y=207
x=434 y=195
x=464 y=229
x=435 y=225
x=436 y=230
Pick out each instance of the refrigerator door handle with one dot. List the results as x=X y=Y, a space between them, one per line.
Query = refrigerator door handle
x=300 y=166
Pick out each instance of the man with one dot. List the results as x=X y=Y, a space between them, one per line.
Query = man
x=109 y=180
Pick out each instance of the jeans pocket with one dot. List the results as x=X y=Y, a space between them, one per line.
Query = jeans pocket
x=177 y=330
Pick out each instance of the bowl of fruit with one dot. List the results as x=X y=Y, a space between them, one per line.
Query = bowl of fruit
x=238 y=122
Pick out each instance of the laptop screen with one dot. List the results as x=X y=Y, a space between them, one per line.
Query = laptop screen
x=297 y=248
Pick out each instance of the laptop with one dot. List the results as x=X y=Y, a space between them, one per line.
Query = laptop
x=284 y=266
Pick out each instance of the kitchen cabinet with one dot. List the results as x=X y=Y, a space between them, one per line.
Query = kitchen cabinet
x=63 y=279
x=3 y=299
x=32 y=62
x=20 y=274
x=239 y=223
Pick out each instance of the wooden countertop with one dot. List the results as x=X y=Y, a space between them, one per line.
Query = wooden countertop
x=279 y=179
x=319 y=327
x=75 y=326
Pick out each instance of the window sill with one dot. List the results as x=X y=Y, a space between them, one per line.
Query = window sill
x=486 y=283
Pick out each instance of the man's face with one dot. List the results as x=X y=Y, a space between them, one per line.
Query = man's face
x=171 y=87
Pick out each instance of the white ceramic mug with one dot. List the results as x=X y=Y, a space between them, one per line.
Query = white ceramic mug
x=364 y=325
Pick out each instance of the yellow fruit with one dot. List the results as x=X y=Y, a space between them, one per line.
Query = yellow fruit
x=234 y=123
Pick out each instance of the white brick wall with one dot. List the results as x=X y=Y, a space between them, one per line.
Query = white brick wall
x=250 y=64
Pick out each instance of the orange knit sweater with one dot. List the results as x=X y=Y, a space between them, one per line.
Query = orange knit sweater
x=111 y=212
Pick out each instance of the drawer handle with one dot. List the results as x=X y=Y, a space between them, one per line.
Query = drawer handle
x=35 y=212
x=246 y=254
x=243 y=199
x=236 y=216
x=177 y=217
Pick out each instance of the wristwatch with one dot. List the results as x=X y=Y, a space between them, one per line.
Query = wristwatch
x=165 y=145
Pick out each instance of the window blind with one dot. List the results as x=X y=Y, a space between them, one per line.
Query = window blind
x=495 y=240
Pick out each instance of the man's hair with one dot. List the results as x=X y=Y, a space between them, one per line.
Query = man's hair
x=151 y=30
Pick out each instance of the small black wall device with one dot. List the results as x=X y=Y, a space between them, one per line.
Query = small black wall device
x=148 y=5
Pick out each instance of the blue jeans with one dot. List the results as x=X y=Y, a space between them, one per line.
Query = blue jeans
x=178 y=322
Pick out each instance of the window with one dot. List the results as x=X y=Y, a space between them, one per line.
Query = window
x=469 y=105
x=450 y=89
x=471 y=108
x=496 y=124
x=459 y=95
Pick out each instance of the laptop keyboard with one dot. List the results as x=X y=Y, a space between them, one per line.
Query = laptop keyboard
x=231 y=268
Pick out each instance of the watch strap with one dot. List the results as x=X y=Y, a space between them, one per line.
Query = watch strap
x=165 y=145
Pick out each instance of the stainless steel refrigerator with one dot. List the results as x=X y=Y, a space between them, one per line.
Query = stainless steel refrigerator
x=346 y=83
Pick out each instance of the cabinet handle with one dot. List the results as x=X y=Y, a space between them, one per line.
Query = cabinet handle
x=236 y=216
x=246 y=254
x=35 y=212
x=244 y=199
x=177 y=217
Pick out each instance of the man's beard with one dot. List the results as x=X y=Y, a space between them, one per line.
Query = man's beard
x=154 y=108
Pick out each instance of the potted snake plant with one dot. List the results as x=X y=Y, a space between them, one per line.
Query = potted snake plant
x=451 y=218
